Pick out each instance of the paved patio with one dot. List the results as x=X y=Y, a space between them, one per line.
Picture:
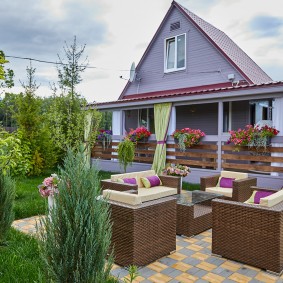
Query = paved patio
x=192 y=262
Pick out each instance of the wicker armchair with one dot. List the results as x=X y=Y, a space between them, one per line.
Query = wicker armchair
x=241 y=187
x=249 y=233
x=143 y=233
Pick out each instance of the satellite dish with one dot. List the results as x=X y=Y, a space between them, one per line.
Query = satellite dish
x=132 y=72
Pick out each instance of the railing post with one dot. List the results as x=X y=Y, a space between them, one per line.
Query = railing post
x=220 y=131
x=171 y=129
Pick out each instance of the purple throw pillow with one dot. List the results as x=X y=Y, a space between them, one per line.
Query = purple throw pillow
x=226 y=182
x=132 y=181
x=154 y=181
x=261 y=194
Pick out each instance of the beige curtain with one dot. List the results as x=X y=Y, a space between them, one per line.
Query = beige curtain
x=162 y=114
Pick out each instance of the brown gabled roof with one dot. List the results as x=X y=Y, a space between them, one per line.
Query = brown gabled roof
x=230 y=50
x=243 y=63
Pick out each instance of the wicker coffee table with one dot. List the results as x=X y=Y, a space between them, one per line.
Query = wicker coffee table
x=194 y=212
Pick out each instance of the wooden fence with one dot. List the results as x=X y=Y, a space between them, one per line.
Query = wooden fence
x=203 y=156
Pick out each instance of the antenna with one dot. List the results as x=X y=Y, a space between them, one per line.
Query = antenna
x=133 y=72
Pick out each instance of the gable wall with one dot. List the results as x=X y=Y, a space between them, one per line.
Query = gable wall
x=205 y=65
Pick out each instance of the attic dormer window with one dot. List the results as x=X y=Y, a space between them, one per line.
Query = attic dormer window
x=175 y=53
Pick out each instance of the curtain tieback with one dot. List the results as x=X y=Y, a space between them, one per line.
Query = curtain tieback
x=161 y=142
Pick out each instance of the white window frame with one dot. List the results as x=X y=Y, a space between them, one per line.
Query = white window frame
x=165 y=54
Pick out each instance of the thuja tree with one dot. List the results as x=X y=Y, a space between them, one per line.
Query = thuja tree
x=67 y=115
x=75 y=242
x=34 y=130
x=7 y=195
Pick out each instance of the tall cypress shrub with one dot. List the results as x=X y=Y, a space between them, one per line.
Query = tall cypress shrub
x=76 y=238
x=7 y=196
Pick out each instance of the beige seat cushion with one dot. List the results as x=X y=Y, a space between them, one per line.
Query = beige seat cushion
x=155 y=193
x=272 y=199
x=123 y=197
x=138 y=175
x=227 y=192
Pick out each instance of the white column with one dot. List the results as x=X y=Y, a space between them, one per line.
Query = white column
x=172 y=122
x=220 y=131
x=277 y=121
x=117 y=122
x=117 y=126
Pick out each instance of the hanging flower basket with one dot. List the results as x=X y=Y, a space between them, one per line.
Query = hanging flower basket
x=187 y=137
x=140 y=134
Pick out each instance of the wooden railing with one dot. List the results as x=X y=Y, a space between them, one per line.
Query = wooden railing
x=204 y=156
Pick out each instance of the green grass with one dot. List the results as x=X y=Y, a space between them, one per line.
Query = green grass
x=29 y=203
x=20 y=260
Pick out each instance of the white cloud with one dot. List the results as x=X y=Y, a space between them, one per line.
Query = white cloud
x=117 y=33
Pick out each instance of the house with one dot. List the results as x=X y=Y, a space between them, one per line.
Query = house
x=213 y=85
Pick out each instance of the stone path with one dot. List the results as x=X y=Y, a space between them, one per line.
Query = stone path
x=192 y=262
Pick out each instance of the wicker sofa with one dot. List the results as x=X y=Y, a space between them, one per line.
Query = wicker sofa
x=250 y=233
x=143 y=220
x=241 y=185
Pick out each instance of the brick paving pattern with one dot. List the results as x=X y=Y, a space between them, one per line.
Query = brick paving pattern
x=192 y=262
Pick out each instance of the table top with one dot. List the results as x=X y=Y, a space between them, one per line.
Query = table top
x=190 y=198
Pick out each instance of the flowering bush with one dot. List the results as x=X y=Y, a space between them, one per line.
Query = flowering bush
x=138 y=134
x=104 y=135
x=188 y=137
x=49 y=186
x=176 y=170
x=253 y=136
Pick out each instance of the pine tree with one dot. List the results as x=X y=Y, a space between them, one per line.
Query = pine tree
x=76 y=239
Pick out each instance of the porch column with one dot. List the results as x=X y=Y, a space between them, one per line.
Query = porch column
x=171 y=129
x=117 y=127
x=220 y=131
x=277 y=121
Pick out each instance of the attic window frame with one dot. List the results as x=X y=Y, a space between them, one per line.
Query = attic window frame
x=166 y=40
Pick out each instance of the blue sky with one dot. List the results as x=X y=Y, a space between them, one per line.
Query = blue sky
x=116 y=33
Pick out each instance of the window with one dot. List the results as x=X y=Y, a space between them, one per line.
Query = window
x=175 y=53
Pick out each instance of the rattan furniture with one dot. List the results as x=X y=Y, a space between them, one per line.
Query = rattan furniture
x=143 y=233
x=241 y=187
x=249 y=233
x=194 y=212
x=167 y=181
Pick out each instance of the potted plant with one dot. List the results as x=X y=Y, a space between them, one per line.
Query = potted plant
x=187 y=137
x=126 y=152
x=140 y=134
x=105 y=136
x=255 y=137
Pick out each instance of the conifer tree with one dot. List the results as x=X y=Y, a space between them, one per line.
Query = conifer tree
x=76 y=239
x=7 y=195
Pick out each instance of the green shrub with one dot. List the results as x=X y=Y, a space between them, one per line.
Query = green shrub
x=76 y=240
x=126 y=153
x=7 y=195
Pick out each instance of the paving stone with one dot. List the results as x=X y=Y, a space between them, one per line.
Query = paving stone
x=201 y=281
x=255 y=281
x=119 y=272
x=222 y=271
x=186 y=252
x=182 y=243
x=146 y=272
x=247 y=271
x=215 y=260
x=172 y=272
x=174 y=281
x=192 y=261
x=229 y=281
x=194 y=271
x=168 y=261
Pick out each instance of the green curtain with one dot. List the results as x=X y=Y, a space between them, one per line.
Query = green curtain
x=87 y=134
x=162 y=114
